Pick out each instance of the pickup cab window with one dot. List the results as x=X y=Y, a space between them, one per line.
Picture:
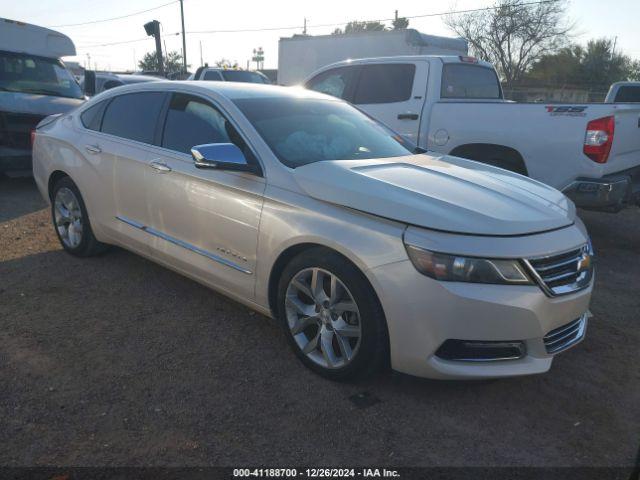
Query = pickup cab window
x=469 y=81
x=627 y=94
x=23 y=73
x=385 y=83
x=336 y=82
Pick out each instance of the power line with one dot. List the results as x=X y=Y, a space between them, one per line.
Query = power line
x=297 y=27
x=124 y=41
x=455 y=12
x=114 y=18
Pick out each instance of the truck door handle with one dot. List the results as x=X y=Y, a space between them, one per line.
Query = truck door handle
x=160 y=166
x=93 y=149
x=407 y=116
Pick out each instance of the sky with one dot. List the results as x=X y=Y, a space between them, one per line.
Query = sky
x=592 y=18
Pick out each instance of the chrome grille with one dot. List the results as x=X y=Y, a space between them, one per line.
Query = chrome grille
x=566 y=336
x=563 y=273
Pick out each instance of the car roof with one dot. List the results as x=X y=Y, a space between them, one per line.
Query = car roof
x=230 y=90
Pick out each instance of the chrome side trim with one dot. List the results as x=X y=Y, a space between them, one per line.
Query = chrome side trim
x=185 y=245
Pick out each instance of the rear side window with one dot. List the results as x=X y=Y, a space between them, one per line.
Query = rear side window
x=469 y=81
x=628 y=94
x=133 y=116
x=91 y=118
x=212 y=75
x=386 y=83
x=336 y=82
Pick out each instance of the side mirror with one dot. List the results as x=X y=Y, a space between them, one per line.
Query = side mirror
x=220 y=156
x=89 y=83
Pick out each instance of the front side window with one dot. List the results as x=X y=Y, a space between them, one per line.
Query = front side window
x=23 y=73
x=385 y=83
x=193 y=121
x=469 y=81
x=333 y=82
x=300 y=131
x=133 y=116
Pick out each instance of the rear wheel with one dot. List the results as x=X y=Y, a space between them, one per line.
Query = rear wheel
x=331 y=316
x=71 y=221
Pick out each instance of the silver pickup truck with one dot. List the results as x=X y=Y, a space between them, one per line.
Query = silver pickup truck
x=34 y=83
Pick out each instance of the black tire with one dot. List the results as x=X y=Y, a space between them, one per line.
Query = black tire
x=373 y=351
x=88 y=245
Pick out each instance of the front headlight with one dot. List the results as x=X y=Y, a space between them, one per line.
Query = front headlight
x=455 y=268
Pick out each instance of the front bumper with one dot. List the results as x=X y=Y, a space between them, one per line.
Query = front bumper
x=609 y=193
x=423 y=313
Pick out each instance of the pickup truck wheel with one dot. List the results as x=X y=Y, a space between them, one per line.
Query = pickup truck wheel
x=331 y=316
x=71 y=221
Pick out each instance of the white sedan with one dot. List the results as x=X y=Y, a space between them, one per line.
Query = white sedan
x=300 y=206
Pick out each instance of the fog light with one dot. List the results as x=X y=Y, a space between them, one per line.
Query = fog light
x=480 y=351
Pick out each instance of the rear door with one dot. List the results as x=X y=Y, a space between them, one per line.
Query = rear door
x=121 y=152
x=393 y=93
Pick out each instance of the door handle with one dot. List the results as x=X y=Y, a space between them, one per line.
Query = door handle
x=407 y=116
x=93 y=149
x=161 y=167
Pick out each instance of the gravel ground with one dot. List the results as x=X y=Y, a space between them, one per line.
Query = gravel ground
x=117 y=361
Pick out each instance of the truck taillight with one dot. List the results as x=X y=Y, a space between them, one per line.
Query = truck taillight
x=599 y=138
x=33 y=137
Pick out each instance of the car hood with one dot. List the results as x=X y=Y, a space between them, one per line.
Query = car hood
x=439 y=192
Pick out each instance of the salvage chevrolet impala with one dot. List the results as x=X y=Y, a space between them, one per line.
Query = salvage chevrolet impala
x=366 y=249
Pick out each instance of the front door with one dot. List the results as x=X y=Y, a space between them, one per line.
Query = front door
x=205 y=222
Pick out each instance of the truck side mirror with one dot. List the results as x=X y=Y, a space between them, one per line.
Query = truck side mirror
x=89 y=83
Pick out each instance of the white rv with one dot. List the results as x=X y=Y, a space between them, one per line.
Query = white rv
x=301 y=55
x=34 y=83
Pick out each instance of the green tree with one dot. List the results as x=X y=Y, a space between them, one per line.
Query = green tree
x=357 y=26
x=172 y=62
x=400 y=23
x=514 y=34
x=595 y=66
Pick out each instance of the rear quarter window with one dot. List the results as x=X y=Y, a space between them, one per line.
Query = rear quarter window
x=91 y=118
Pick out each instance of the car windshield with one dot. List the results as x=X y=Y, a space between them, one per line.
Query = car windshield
x=26 y=73
x=300 y=131
x=242 y=76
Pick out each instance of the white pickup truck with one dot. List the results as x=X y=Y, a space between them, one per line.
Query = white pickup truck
x=454 y=105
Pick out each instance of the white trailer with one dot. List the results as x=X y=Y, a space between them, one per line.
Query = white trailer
x=301 y=55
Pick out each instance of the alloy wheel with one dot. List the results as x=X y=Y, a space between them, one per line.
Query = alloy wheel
x=68 y=217
x=323 y=318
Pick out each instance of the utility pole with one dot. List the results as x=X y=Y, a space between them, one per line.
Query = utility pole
x=184 y=41
x=396 y=16
x=304 y=30
x=200 y=53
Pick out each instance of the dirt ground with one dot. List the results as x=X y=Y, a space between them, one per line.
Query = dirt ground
x=117 y=361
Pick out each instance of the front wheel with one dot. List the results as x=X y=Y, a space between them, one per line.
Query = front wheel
x=331 y=316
